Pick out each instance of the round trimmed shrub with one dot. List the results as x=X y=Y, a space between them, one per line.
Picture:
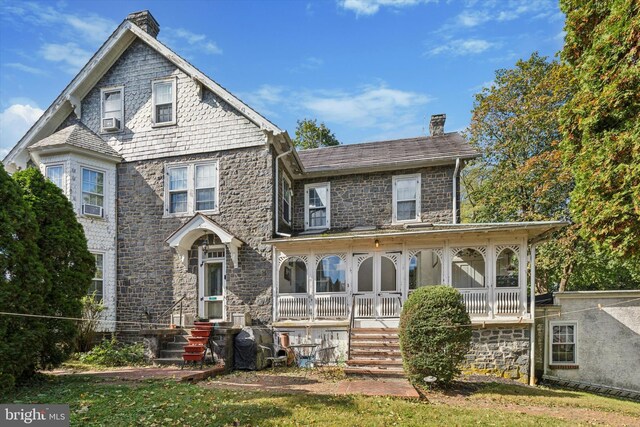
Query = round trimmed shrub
x=435 y=334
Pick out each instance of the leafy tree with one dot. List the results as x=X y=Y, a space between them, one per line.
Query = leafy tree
x=521 y=175
x=68 y=263
x=435 y=333
x=311 y=135
x=21 y=284
x=600 y=123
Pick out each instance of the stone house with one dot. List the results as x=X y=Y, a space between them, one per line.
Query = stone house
x=187 y=194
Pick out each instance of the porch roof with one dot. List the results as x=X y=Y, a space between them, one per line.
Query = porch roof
x=536 y=231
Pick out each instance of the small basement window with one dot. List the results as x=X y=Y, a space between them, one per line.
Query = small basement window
x=164 y=102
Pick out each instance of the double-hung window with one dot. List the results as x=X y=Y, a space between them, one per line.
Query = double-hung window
x=178 y=189
x=92 y=192
x=55 y=174
x=563 y=343
x=205 y=187
x=164 y=101
x=97 y=284
x=406 y=198
x=317 y=212
x=191 y=187
x=286 y=200
x=112 y=107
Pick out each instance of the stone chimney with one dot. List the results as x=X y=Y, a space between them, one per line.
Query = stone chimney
x=145 y=20
x=436 y=126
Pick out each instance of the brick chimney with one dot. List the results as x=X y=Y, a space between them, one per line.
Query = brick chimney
x=436 y=126
x=145 y=20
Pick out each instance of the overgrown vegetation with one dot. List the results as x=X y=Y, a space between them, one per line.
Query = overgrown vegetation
x=91 y=309
x=45 y=269
x=435 y=334
x=112 y=353
x=600 y=123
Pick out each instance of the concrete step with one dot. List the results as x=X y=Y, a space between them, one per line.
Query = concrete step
x=175 y=345
x=374 y=362
x=374 y=371
x=171 y=354
x=167 y=361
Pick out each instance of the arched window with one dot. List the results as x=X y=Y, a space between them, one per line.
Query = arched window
x=425 y=269
x=507 y=269
x=331 y=275
x=468 y=269
x=293 y=277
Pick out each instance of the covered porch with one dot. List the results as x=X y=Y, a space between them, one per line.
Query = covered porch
x=366 y=275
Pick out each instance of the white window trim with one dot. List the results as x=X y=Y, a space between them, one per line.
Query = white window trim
x=290 y=210
x=112 y=89
x=191 y=188
x=575 y=342
x=56 y=165
x=396 y=178
x=104 y=191
x=168 y=192
x=306 y=205
x=174 y=111
x=104 y=262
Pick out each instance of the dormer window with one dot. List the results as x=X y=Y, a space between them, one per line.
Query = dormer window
x=112 y=107
x=164 y=101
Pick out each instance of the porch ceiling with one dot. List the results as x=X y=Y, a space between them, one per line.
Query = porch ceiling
x=535 y=232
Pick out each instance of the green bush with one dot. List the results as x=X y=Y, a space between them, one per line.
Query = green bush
x=112 y=353
x=435 y=334
x=91 y=309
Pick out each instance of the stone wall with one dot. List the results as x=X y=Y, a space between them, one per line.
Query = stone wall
x=151 y=276
x=366 y=199
x=500 y=350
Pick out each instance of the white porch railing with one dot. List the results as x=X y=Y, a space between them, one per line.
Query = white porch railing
x=331 y=306
x=293 y=306
x=365 y=306
x=507 y=301
x=390 y=305
x=475 y=300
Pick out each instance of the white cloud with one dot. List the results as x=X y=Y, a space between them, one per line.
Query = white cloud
x=25 y=68
x=89 y=27
x=14 y=123
x=265 y=98
x=372 y=106
x=190 y=41
x=69 y=53
x=371 y=7
x=459 y=47
x=472 y=18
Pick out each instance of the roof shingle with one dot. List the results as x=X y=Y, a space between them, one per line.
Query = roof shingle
x=76 y=135
x=387 y=153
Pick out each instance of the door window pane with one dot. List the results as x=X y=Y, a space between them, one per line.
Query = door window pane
x=365 y=276
x=507 y=269
x=425 y=269
x=468 y=269
x=387 y=275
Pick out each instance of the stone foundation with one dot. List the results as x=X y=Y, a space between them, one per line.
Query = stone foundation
x=500 y=350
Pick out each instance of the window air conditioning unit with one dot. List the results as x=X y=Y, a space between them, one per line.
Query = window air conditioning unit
x=92 y=210
x=110 y=124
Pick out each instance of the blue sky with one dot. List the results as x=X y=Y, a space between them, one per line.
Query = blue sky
x=369 y=69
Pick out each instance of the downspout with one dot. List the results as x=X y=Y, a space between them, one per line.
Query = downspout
x=532 y=345
x=455 y=191
x=277 y=184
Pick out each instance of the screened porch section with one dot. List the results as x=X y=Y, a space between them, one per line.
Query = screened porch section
x=328 y=286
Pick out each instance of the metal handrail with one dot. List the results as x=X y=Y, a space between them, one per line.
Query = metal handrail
x=172 y=307
x=352 y=315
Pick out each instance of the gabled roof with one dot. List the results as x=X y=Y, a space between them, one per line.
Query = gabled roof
x=76 y=135
x=441 y=149
x=71 y=97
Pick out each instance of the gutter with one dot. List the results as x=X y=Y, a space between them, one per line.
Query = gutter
x=277 y=201
x=455 y=191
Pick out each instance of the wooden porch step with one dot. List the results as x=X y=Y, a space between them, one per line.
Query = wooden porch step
x=374 y=337
x=374 y=371
x=373 y=362
x=355 y=352
x=375 y=330
x=375 y=344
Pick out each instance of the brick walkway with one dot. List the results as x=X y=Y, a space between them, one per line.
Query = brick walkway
x=145 y=373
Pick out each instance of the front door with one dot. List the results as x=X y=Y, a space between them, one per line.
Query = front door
x=212 y=290
x=376 y=285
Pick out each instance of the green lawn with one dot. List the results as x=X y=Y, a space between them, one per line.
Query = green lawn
x=102 y=402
